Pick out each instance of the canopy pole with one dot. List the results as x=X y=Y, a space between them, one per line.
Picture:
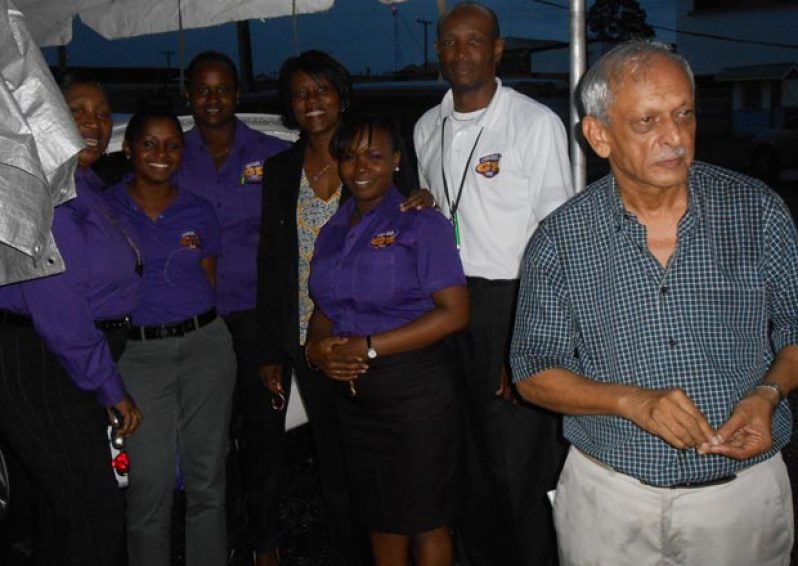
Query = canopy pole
x=295 y=27
x=181 y=47
x=578 y=65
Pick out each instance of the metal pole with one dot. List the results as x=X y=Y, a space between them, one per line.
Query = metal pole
x=578 y=65
x=181 y=47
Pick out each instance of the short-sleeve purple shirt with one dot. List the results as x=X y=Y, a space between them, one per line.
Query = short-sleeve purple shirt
x=174 y=285
x=380 y=274
x=235 y=191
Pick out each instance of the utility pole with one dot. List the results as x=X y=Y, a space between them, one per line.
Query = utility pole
x=426 y=24
x=167 y=75
x=245 y=56
x=168 y=55
x=62 y=60
x=395 y=14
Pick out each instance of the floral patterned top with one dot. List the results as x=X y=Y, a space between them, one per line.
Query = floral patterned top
x=312 y=213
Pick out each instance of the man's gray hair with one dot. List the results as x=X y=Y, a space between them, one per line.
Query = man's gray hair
x=630 y=57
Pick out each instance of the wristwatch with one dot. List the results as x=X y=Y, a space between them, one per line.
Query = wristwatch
x=371 y=353
x=773 y=387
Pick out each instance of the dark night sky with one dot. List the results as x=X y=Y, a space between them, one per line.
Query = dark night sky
x=360 y=33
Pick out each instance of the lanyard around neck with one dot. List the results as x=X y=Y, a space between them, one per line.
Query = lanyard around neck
x=454 y=206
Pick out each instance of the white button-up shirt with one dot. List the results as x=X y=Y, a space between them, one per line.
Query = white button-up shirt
x=518 y=173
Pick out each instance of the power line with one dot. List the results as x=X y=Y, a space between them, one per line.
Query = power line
x=695 y=33
x=418 y=43
x=728 y=38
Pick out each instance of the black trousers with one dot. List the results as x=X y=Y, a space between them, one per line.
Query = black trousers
x=256 y=455
x=58 y=432
x=514 y=451
x=261 y=450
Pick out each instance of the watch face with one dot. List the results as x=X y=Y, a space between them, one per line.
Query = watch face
x=371 y=353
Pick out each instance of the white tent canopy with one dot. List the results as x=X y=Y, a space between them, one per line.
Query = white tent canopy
x=50 y=21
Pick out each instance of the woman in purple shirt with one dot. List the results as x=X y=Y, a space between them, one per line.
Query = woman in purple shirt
x=59 y=338
x=179 y=362
x=388 y=288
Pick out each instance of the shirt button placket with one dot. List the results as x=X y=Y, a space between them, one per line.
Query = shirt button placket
x=664 y=291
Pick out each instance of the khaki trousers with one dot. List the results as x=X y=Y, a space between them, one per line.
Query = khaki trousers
x=605 y=518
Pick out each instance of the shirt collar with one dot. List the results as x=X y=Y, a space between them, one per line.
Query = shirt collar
x=620 y=214
x=391 y=201
x=120 y=193
x=447 y=105
x=193 y=139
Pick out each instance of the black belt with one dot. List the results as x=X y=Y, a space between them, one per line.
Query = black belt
x=172 y=330
x=114 y=323
x=481 y=282
x=22 y=320
x=9 y=318
x=696 y=484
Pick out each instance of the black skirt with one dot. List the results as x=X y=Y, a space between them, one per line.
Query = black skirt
x=401 y=443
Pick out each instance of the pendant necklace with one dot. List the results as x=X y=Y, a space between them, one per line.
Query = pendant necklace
x=315 y=177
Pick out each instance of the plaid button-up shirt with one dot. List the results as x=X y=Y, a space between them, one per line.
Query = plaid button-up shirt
x=594 y=301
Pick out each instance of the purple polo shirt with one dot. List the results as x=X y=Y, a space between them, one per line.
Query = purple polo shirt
x=100 y=282
x=380 y=274
x=235 y=193
x=174 y=286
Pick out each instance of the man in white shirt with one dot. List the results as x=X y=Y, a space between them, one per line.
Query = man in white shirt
x=496 y=162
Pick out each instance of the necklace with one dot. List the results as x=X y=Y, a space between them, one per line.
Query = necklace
x=324 y=169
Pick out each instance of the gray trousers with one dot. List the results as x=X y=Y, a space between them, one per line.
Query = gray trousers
x=184 y=387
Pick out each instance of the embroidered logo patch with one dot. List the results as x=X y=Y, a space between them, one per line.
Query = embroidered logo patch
x=252 y=173
x=488 y=165
x=384 y=239
x=190 y=240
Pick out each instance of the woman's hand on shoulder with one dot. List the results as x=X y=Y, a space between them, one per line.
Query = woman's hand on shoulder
x=418 y=200
x=337 y=357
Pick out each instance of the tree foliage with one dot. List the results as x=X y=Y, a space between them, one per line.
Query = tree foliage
x=618 y=20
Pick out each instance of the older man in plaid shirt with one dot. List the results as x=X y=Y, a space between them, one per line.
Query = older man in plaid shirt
x=659 y=312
